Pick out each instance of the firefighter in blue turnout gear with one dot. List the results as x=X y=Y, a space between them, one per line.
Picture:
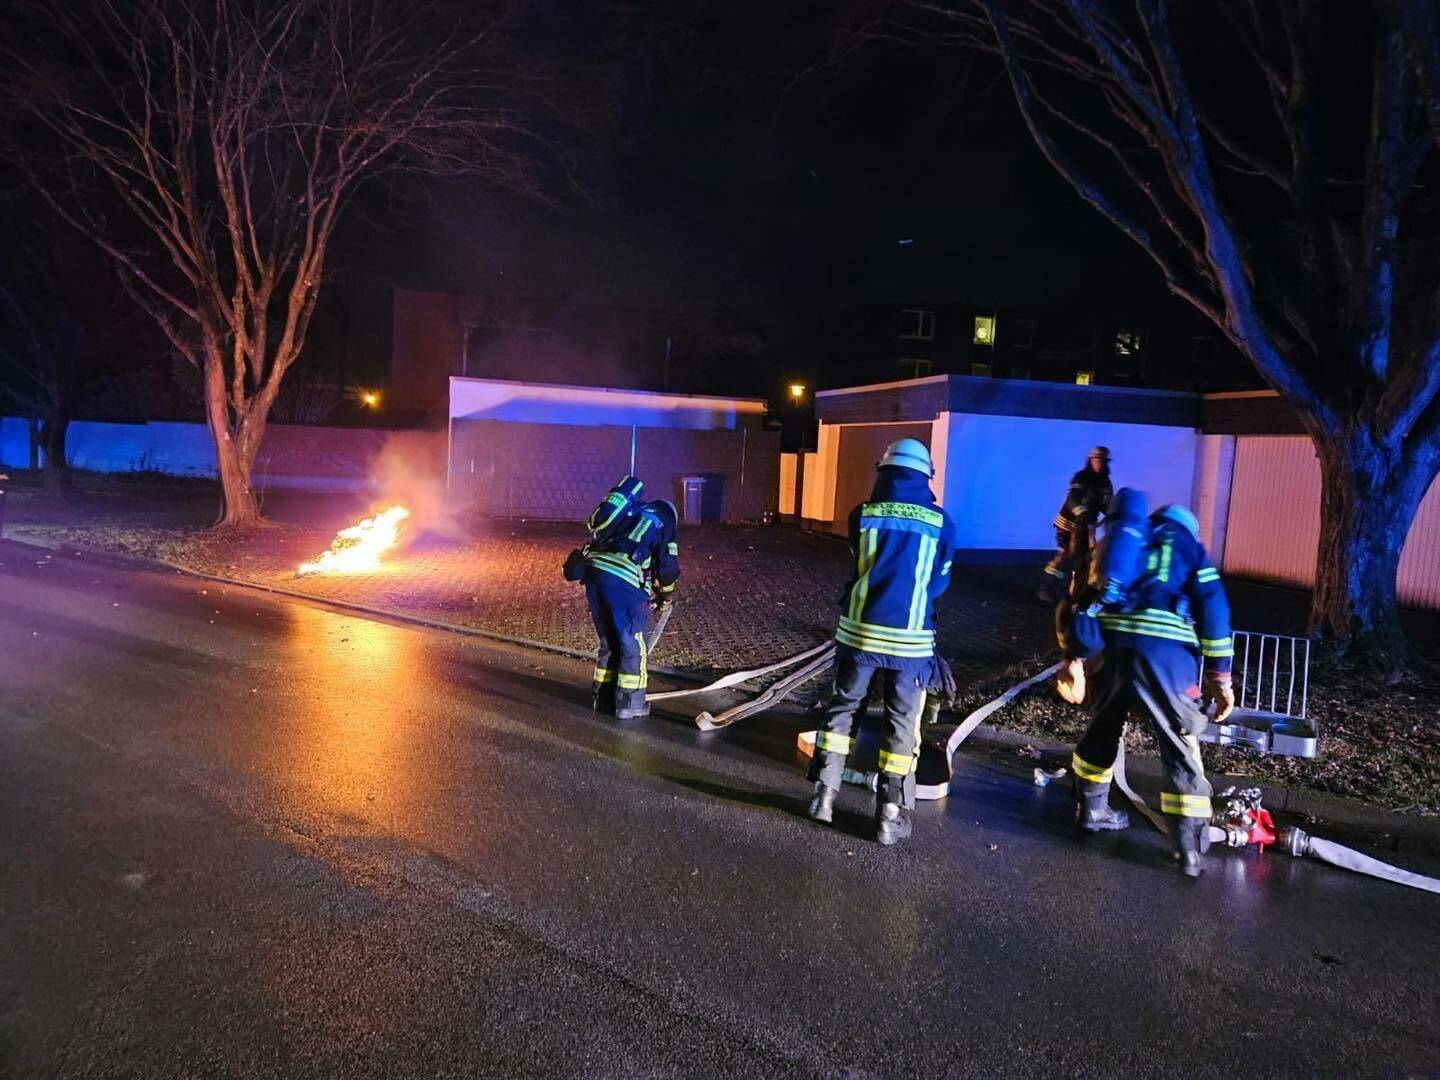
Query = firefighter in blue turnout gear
x=903 y=545
x=1154 y=611
x=631 y=562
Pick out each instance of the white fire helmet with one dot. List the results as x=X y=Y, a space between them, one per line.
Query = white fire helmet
x=908 y=454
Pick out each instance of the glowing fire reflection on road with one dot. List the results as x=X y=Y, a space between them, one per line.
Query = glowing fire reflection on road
x=357 y=549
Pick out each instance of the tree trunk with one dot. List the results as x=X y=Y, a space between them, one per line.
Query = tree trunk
x=233 y=456
x=1368 y=500
x=52 y=440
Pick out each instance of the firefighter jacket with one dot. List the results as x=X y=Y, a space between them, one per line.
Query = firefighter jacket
x=1086 y=500
x=1179 y=598
x=641 y=550
x=903 y=545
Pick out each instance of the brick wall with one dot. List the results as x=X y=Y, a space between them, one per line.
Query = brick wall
x=559 y=471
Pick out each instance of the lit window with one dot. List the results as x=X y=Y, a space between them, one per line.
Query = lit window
x=1129 y=342
x=984 y=330
x=1084 y=378
x=917 y=325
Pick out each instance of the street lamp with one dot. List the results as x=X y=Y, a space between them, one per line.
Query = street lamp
x=797 y=392
x=370 y=399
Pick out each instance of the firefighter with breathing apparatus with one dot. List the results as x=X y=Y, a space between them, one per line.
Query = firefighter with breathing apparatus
x=1086 y=499
x=903 y=545
x=631 y=561
x=1153 y=609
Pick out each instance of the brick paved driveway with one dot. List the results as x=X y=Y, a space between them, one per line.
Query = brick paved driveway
x=747 y=593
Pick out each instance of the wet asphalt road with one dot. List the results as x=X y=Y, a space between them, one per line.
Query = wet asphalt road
x=243 y=836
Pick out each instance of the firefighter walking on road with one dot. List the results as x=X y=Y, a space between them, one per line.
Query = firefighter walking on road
x=631 y=562
x=903 y=545
x=1143 y=655
x=1085 y=501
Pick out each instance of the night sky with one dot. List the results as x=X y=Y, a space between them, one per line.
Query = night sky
x=735 y=175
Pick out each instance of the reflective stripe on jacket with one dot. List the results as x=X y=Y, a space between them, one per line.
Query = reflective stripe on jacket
x=903 y=546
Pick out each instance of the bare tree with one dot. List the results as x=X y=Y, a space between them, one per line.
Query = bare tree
x=232 y=132
x=63 y=318
x=1272 y=159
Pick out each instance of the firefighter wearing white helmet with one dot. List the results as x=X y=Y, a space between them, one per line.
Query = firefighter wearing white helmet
x=903 y=544
x=1155 y=610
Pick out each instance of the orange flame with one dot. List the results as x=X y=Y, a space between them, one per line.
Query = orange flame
x=357 y=550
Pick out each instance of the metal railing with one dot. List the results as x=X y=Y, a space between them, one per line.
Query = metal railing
x=1269 y=671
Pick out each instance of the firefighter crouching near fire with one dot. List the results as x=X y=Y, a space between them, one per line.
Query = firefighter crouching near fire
x=903 y=545
x=631 y=562
x=1085 y=500
x=1142 y=652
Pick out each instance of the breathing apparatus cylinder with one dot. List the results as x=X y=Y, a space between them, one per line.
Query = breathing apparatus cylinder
x=1120 y=556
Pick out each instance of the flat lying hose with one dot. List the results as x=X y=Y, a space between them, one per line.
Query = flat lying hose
x=1299 y=842
x=773 y=695
x=1158 y=820
x=735 y=678
x=930 y=792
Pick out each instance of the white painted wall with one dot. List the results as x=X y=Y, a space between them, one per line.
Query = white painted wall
x=1214 y=474
x=1275 y=521
x=1005 y=476
x=789 y=478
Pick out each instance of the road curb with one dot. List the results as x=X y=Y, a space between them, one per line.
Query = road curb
x=152 y=563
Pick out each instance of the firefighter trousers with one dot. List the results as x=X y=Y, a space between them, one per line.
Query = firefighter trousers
x=1156 y=679
x=903 y=684
x=621 y=614
x=1071 y=560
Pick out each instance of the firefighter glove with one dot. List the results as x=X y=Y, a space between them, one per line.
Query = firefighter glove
x=575 y=565
x=1071 y=681
x=944 y=682
x=1217 y=688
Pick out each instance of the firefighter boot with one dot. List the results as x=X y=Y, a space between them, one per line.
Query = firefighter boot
x=892 y=822
x=822 y=803
x=1192 y=839
x=1092 y=809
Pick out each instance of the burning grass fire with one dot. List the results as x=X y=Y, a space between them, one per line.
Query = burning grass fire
x=357 y=549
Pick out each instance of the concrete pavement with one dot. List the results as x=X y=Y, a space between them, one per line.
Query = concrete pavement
x=248 y=836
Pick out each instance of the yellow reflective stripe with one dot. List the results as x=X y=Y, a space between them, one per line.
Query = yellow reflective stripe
x=910 y=644
x=618 y=565
x=1191 y=806
x=632 y=682
x=644 y=659
x=924 y=566
x=908 y=511
x=1092 y=773
x=832 y=743
x=1217 y=647
x=614 y=499
x=869 y=540
x=1207 y=573
x=673 y=548
x=900 y=635
x=663 y=589
x=894 y=763
x=604 y=675
x=885 y=648
x=640 y=529
x=1165 y=561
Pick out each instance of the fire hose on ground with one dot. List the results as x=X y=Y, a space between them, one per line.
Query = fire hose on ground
x=1240 y=821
